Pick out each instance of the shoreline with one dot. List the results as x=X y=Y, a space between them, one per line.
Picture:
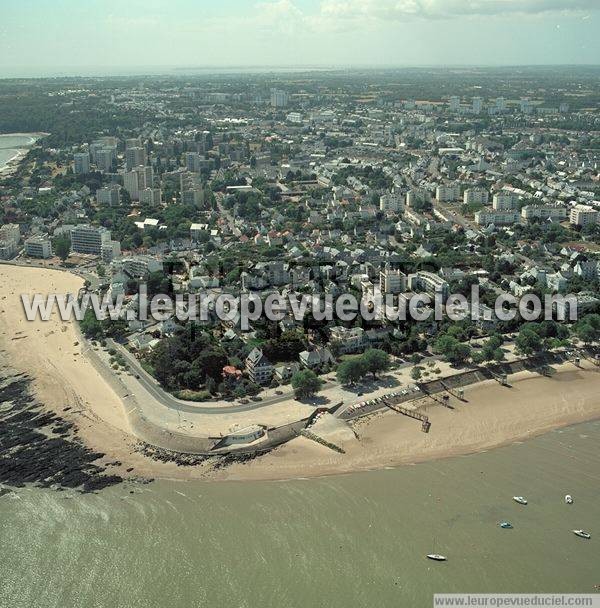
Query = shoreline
x=12 y=164
x=35 y=135
x=492 y=416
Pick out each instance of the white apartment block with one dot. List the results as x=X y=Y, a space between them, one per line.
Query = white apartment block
x=279 y=99
x=498 y=218
x=544 y=212
x=110 y=250
x=194 y=197
x=38 y=246
x=10 y=233
x=193 y=162
x=476 y=196
x=111 y=195
x=294 y=117
x=150 y=196
x=347 y=340
x=419 y=195
x=392 y=281
x=105 y=159
x=447 y=193
x=139 y=266
x=430 y=283
x=88 y=239
x=134 y=157
x=583 y=215
x=140 y=178
x=391 y=202
x=505 y=201
x=81 y=163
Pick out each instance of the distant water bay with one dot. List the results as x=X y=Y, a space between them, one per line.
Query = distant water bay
x=11 y=144
x=341 y=542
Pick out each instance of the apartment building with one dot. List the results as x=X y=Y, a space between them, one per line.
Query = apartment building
x=393 y=203
x=544 y=212
x=417 y=196
x=150 y=196
x=347 y=340
x=447 y=193
x=138 y=179
x=477 y=196
x=498 y=218
x=134 y=157
x=81 y=163
x=429 y=283
x=259 y=368
x=583 y=215
x=392 y=281
x=88 y=239
x=505 y=201
x=110 y=195
x=38 y=246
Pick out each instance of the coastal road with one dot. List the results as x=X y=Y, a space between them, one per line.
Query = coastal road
x=155 y=389
x=168 y=400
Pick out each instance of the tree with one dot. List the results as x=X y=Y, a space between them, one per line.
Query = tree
x=416 y=373
x=306 y=383
x=91 y=326
x=351 y=371
x=529 y=342
x=454 y=351
x=498 y=355
x=62 y=246
x=376 y=361
x=588 y=329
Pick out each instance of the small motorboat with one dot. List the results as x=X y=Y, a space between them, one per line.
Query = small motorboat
x=506 y=525
x=520 y=500
x=436 y=557
x=582 y=534
x=569 y=499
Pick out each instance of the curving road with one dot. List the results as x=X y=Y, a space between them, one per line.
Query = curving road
x=168 y=400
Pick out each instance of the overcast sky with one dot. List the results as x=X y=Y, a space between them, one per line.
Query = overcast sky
x=48 y=35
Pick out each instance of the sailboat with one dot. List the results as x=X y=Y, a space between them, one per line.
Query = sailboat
x=436 y=557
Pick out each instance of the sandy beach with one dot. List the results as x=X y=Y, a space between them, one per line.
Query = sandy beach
x=493 y=415
x=10 y=165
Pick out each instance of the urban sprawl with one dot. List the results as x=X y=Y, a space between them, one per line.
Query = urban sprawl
x=388 y=184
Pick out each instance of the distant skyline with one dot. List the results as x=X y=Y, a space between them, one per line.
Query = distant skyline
x=70 y=37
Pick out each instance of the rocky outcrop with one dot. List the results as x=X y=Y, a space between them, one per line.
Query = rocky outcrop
x=40 y=447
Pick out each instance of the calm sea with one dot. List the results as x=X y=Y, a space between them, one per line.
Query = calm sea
x=349 y=541
x=10 y=145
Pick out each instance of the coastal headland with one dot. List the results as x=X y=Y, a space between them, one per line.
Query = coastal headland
x=105 y=407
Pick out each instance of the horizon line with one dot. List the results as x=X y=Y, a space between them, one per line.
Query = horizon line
x=177 y=70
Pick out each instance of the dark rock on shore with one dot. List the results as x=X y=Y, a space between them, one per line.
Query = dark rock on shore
x=39 y=447
x=217 y=461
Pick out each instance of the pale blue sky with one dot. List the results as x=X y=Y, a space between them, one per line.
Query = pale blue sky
x=50 y=35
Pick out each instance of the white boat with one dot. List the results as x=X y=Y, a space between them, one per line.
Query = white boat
x=520 y=499
x=569 y=499
x=436 y=557
x=582 y=534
